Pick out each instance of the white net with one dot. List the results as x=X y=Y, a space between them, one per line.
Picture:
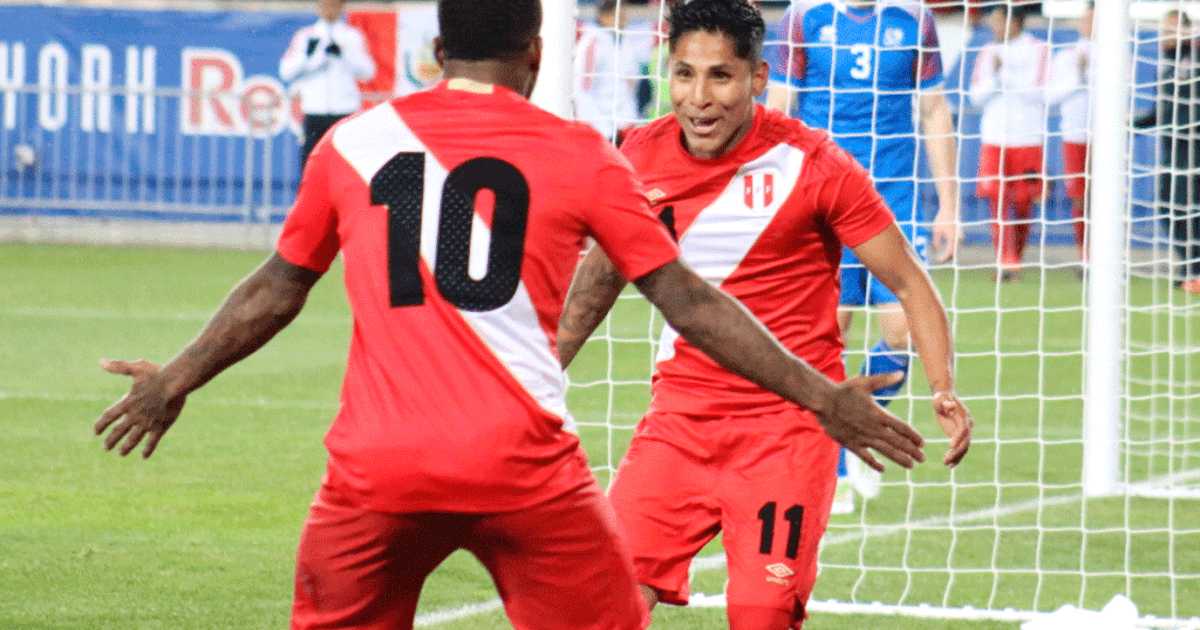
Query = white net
x=1017 y=528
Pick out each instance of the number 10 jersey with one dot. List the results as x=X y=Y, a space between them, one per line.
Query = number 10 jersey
x=460 y=212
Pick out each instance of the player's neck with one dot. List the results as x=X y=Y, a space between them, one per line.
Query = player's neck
x=491 y=71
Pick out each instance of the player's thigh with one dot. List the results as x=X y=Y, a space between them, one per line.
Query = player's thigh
x=562 y=565
x=988 y=171
x=1023 y=167
x=361 y=569
x=662 y=495
x=774 y=512
x=1075 y=170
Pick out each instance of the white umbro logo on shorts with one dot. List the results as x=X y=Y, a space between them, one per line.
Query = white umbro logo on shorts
x=780 y=570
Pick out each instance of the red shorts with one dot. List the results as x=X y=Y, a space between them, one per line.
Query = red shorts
x=557 y=565
x=767 y=482
x=1075 y=169
x=1019 y=169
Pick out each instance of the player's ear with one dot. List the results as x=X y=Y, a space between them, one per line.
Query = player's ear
x=439 y=53
x=533 y=54
x=758 y=81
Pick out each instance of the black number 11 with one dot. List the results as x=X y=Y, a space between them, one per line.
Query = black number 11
x=795 y=518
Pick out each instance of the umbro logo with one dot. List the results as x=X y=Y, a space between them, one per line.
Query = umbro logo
x=655 y=195
x=780 y=570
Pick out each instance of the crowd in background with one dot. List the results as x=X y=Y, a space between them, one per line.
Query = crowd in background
x=1018 y=80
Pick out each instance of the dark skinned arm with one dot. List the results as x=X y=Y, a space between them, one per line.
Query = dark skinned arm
x=258 y=308
x=890 y=257
x=722 y=328
x=594 y=290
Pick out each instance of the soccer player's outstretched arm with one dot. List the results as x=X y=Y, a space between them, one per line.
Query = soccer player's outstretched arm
x=722 y=328
x=594 y=289
x=890 y=257
x=258 y=308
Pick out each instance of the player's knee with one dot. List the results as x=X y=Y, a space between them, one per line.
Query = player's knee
x=650 y=595
x=894 y=326
x=845 y=316
x=760 y=618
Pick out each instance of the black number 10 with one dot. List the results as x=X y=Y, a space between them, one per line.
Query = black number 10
x=400 y=185
x=795 y=518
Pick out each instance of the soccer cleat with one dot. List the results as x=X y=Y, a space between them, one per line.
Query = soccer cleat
x=1191 y=286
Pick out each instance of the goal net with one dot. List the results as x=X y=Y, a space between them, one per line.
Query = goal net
x=1083 y=375
x=1081 y=370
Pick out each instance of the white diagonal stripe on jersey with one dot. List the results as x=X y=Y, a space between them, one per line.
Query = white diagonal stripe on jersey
x=512 y=332
x=722 y=234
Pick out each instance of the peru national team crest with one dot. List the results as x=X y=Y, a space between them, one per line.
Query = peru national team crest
x=758 y=189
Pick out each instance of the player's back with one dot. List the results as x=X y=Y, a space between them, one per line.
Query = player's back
x=460 y=212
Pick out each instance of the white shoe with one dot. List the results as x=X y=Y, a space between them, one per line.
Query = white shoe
x=866 y=480
x=843 y=498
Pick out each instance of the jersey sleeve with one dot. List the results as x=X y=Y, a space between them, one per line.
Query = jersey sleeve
x=852 y=206
x=309 y=236
x=785 y=54
x=929 y=57
x=622 y=222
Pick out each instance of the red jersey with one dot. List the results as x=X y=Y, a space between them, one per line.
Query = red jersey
x=460 y=212
x=766 y=222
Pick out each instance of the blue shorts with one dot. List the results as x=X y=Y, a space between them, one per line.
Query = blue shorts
x=860 y=288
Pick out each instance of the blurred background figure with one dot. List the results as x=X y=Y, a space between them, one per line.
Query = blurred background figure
x=1008 y=84
x=323 y=63
x=861 y=70
x=1178 y=114
x=606 y=73
x=1069 y=87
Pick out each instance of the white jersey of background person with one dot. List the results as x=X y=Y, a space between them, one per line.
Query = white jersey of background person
x=1013 y=97
x=1069 y=88
x=327 y=83
x=606 y=75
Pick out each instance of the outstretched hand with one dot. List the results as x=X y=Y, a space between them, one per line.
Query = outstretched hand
x=856 y=421
x=145 y=412
x=956 y=421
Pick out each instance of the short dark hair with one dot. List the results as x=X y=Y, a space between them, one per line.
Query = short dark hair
x=740 y=20
x=475 y=30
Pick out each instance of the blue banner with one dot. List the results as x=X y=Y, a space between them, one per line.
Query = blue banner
x=130 y=112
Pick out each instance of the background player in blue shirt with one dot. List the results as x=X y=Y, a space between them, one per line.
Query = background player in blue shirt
x=855 y=68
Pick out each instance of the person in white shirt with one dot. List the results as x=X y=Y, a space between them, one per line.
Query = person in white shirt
x=323 y=63
x=1069 y=81
x=1009 y=83
x=606 y=74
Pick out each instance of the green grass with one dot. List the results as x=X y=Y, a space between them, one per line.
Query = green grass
x=203 y=534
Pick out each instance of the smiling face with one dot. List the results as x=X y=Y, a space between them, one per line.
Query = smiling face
x=713 y=92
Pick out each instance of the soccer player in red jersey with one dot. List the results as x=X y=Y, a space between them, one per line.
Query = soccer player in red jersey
x=460 y=212
x=762 y=206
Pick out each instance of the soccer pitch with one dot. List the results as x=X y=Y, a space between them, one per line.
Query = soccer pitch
x=203 y=534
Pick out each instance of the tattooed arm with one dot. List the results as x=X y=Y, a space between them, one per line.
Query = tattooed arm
x=258 y=308
x=722 y=328
x=594 y=290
